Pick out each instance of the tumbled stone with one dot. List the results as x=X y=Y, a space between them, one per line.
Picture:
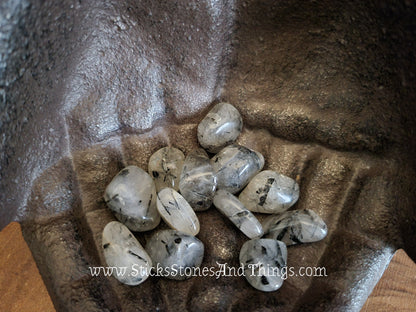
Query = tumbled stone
x=234 y=166
x=174 y=253
x=270 y=192
x=131 y=195
x=165 y=166
x=130 y=263
x=176 y=211
x=220 y=127
x=232 y=208
x=198 y=181
x=295 y=227
x=264 y=262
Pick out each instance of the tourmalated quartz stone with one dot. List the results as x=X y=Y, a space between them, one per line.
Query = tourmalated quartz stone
x=234 y=166
x=295 y=227
x=270 y=192
x=175 y=253
x=198 y=181
x=264 y=262
x=122 y=251
x=232 y=208
x=220 y=127
x=165 y=166
x=176 y=211
x=131 y=195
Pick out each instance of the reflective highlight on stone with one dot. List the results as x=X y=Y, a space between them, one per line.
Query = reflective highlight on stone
x=122 y=250
x=270 y=192
x=175 y=252
x=295 y=227
x=220 y=127
x=165 y=166
x=235 y=165
x=131 y=195
x=232 y=208
x=176 y=211
x=198 y=181
x=264 y=263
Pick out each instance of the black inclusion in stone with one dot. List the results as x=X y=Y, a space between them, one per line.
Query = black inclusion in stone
x=124 y=172
x=263 y=250
x=178 y=240
x=264 y=280
x=155 y=174
x=106 y=245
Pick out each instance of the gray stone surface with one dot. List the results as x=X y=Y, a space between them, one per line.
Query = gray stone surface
x=198 y=182
x=131 y=196
x=234 y=166
x=176 y=253
x=220 y=127
x=295 y=227
x=270 y=192
x=264 y=263
x=122 y=251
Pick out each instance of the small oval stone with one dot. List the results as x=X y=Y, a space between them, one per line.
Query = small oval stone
x=176 y=253
x=176 y=211
x=123 y=251
x=220 y=127
x=234 y=166
x=232 y=208
x=198 y=181
x=131 y=195
x=270 y=192
x=165 y=166
x=295 y=227
x=264 y=262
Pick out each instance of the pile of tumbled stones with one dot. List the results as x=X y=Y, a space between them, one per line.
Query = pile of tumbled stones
x=176 y=187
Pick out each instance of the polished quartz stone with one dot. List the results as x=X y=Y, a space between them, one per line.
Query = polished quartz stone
x=165 y=166
x=232 y=208
x=270 y=192
x=198 y=181
x=175 y=253
x=130 y=262
x=295 y=227
x=264 y=262
x=235 y=165
x=220 y=127
x=176 y=211
x=131 y=195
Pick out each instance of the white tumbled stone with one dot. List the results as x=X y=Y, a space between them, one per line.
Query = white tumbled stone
x=242 y=218
x=264 y=262
x=295 y=227
x=131 y=195
x=235 y=165
x=270 y=192
x=198 y=181
x=130 y=262
x=220 y=127
x=175 y=253
x=176 y=211
x=165 y=166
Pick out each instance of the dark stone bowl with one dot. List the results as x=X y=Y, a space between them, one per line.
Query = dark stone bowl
x=327 y=90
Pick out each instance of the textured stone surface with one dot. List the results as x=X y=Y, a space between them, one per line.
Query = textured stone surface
x=234 y=166
x=326 y=91
x=123 y=252
x=176 y=211
x=131 y=196
x=270 y=192
x=176 y=253
x=220 y=127
x=295 y=227
x=165 y=166
x=198 y=182
x=264 y=263
x=232 y=208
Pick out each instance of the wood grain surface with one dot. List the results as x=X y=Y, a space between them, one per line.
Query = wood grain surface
x=22 y=288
